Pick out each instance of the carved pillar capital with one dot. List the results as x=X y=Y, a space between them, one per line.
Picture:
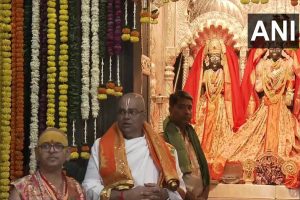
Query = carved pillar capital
x=186 y=64
x=161 y=103
x=169 y=68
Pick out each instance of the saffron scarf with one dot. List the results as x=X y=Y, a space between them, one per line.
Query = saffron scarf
x=114 y=168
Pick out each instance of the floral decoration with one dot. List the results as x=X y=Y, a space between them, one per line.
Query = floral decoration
x=63 y=65
x=6 y=93
x=51 y=65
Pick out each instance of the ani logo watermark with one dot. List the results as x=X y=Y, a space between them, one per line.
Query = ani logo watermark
x=273 y=30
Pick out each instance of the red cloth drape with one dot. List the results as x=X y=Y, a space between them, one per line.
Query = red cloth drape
x=194 y=80
x=238 y=107
x=192 y=83
x=247 y=87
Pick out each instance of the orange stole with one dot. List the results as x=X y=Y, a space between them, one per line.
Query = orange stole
x=114 y=168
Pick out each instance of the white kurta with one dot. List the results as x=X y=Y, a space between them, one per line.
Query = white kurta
x=140 y=163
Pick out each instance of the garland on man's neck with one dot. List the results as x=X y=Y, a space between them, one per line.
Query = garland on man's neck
x=5 y=79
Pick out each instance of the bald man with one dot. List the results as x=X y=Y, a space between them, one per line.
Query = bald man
x=49 y=181
x=131 y=161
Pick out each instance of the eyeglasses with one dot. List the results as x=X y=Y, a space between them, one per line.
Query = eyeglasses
x=56 y=147
x=130 y=112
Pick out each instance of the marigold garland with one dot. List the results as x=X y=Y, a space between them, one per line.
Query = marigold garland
x=134 y=34
x=126 y=30
x=51 y=67
x=17 y=123
x=145 y=14
x=5 y=79
x=35 y=77
x=63 y=65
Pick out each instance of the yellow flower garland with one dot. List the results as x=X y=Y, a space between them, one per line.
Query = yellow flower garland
x=63 y=65
x=51 y=67
x=5 y=92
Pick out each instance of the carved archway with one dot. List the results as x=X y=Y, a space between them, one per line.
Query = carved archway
x=204 y=22
x=212 y=32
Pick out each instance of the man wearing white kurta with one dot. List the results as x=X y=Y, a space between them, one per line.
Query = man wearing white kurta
x=140 y=148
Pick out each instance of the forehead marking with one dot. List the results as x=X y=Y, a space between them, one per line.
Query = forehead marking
x=127 y=103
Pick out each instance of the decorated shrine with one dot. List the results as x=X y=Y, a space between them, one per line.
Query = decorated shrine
x=65 y=64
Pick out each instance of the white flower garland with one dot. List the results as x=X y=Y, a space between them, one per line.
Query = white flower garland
x=85 y=58
x=95 y=58
x=35 y=77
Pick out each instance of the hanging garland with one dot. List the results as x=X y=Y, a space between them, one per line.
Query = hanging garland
x=126 y=30
x=154 y=14
x=145 y=14
x=63 y=65
x=114 y=43
x=85 y=59
x=110 y=85
x=94 y=71
x=74 y=77
x=134 y=34
x=44 y=58
x=118 y=44
x=17 y=123
x=6 y=79
x=35 y=76
x=51 y=66
x=95 y=58
x=102 y=48
x=13 y=94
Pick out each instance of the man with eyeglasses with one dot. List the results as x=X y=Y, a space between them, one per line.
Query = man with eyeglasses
x=49 y=181
x=131 y=161
x=179 y=133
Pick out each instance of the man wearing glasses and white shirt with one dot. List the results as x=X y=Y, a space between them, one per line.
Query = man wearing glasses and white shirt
x=131 y=161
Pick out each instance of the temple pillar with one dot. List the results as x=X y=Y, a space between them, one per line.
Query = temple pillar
x=186 y=65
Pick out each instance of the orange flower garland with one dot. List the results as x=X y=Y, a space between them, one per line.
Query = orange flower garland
x=63 y=65
x=5 y=79
x=51 y=68
x=17 y=122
